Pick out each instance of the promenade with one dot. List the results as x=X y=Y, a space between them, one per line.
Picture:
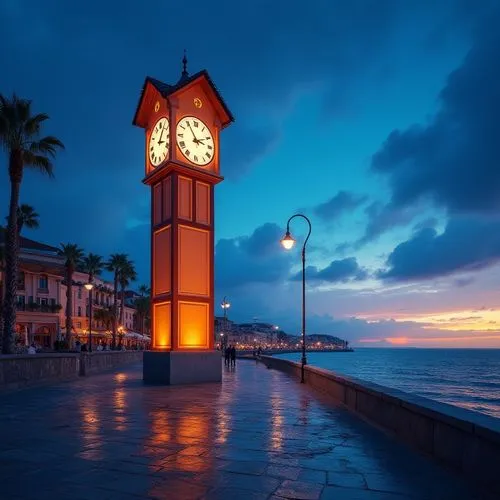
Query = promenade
x=259 y=435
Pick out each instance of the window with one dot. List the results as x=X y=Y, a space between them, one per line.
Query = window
x=43 y=282
x=45 y=301
x=79 y=310
x=20 y=299
x=79 y=293
x=52 y=302
x=78 y=324
x=20 y=280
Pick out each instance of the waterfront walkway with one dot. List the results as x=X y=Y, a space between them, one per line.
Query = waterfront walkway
x=258 y=435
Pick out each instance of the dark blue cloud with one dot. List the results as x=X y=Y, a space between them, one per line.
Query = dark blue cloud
x=342 y=202
x=258 y=258
x=465 y=245
x=453 y=160
x=338 y=271
x=382 y=218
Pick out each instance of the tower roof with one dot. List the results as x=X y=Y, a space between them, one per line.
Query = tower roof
x=167 y=90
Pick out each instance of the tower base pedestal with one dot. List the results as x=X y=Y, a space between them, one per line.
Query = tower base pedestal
x=181 y=367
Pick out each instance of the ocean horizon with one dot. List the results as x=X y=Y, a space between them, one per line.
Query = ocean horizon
x=465 y=377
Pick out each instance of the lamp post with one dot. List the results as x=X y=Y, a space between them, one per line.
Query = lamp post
x=225 y=305
x=88 y=287
x=275 y=328
x=288 y=242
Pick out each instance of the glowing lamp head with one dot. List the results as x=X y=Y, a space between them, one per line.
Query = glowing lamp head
x=287 y=241
x=88 y=286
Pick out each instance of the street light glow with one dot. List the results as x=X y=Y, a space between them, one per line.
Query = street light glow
x=287 y=241
x=88 y=286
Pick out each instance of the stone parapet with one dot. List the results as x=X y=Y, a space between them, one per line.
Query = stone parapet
x=19 y=371
x=96 y=362
x=28 y=370
x=465 y=440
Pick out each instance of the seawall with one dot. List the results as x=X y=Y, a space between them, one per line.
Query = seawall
x=20 y=371
x=465 y=440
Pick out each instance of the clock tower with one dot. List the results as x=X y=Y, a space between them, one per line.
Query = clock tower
x=182 y=124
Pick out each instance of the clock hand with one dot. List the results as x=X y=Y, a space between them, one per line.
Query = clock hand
x=196 y=141
x=161 y=136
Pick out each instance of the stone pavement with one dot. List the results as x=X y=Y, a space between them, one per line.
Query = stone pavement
x=258 y=435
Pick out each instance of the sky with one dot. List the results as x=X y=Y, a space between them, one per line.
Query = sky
x=375 y=118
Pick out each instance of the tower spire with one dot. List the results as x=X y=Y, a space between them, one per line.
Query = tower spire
x=184 y=73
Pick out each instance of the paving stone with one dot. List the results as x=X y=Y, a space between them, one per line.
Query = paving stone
x=339 y=493
x=251 y=468
x=347 y=480
x=299 y=490
x=284 y=472
x=258 y=435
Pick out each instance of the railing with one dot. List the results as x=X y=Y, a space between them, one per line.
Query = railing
x=44 y=308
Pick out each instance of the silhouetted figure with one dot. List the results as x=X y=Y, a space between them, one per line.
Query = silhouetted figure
x=227 y=355
x=233 y=356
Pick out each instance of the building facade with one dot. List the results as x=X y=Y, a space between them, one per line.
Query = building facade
x=42 y=297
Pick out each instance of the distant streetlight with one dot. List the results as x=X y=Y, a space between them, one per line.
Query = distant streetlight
x=88 y=286
x=225 y=305
x=288 y=242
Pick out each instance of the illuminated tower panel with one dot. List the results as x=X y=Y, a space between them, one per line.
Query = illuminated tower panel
x=182 y=124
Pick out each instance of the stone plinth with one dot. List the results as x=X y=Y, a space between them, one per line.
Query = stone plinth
x=181 y=367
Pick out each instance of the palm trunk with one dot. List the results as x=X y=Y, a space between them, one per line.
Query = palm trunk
x=122 y=305
x=122 y=313
x=115 y=309
x=11 y=256
x=69 y=304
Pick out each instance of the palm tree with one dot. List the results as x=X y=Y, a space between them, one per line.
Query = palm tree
x=73 y=255
x=114 y=265
x=93 y=265
x=144 y=290
x=105 y=315
x=127 y=274
x=27 y=216
x=20 y=136
x=143 y=307
x=2 y=269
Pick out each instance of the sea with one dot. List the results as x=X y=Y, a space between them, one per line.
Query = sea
x=469 y=378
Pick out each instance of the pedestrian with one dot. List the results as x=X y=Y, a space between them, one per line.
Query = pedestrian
x=233 y=356
x=227 y=355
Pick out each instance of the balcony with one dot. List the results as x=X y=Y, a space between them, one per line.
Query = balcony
x=43 y=290
x=43 y=308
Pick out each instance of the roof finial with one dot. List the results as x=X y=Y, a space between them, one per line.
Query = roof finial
x=185 y=73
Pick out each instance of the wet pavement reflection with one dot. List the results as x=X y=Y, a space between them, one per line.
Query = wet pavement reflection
x=257 y=435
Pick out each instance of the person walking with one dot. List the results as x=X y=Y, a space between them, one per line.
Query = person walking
x=233 y=356
x=227 y=355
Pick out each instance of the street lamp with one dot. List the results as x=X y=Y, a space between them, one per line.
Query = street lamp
x=225 y=305
x=288 y=242
x=88 y=286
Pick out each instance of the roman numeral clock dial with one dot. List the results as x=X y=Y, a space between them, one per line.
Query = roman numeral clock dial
x=159 y=141
x=195 y=140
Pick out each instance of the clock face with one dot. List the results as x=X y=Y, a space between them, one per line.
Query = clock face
x=159 y=141
x=195 y=140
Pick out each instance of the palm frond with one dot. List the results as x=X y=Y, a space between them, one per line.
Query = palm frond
x=72 y=252
x=33 y=124
x=27 y=216
x=46 y=145
x=38 y=161
x=23 y=109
